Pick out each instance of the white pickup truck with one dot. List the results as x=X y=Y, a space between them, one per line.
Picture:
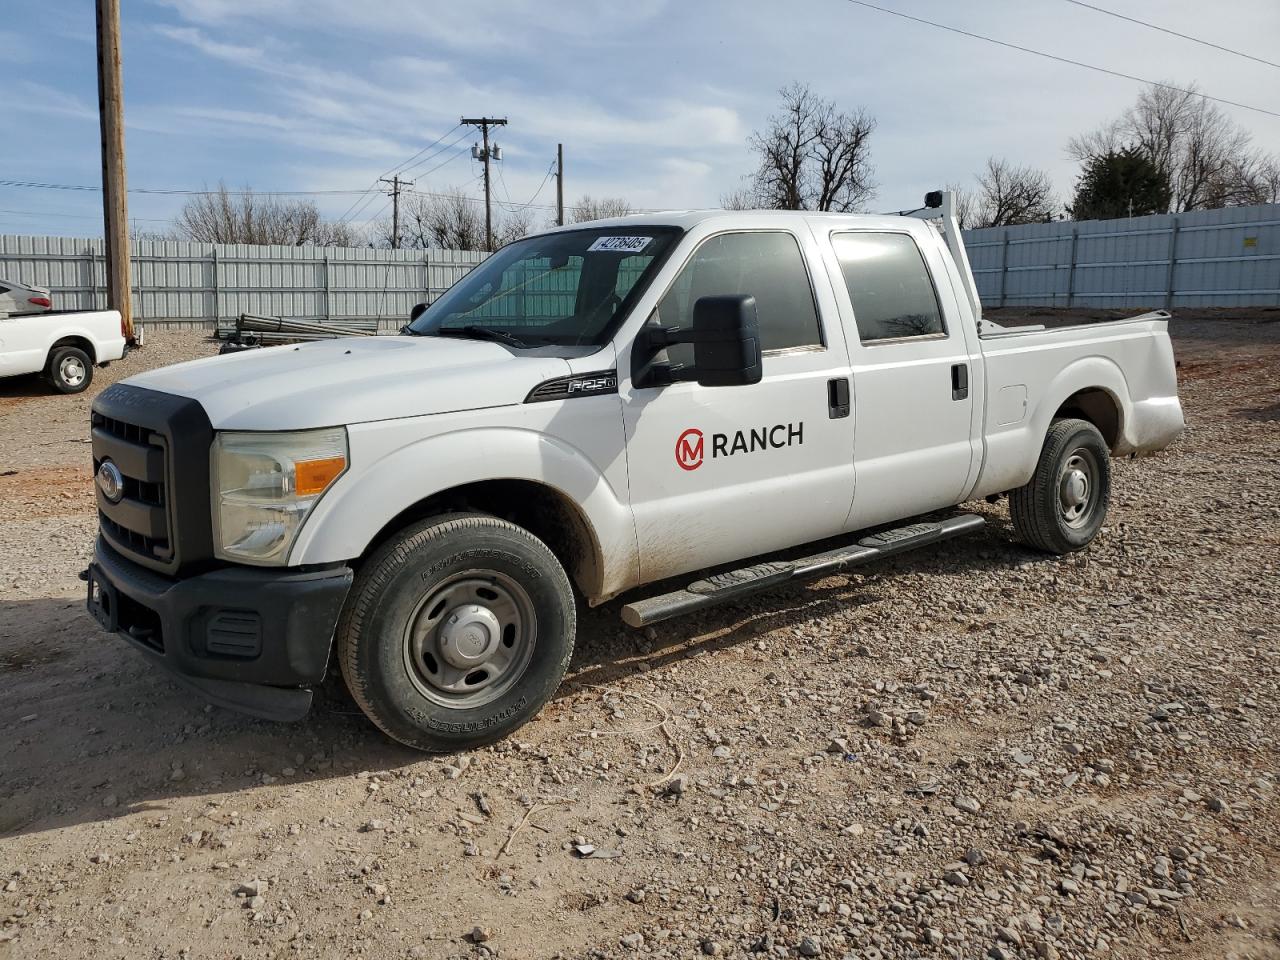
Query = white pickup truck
x=592 y=409
x=63 y=345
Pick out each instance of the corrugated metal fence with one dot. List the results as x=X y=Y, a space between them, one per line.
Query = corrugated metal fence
x=1225 y=257
x=1208 y=258
x=179 y=281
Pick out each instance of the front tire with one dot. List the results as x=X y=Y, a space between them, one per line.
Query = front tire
x=457 y=631
x=1062 y=507
x=70 y=370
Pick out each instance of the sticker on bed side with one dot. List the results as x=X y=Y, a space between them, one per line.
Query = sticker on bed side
x=619 y=244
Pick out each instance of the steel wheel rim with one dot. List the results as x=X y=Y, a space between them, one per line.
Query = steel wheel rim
x=72 y=371
x=1078 y=483
x=470 y=639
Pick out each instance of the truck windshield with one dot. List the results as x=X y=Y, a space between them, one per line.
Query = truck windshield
x=569 y=288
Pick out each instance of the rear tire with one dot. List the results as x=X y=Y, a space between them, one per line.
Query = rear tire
x=1064 y=504
x=457 y=631
x=70 y=370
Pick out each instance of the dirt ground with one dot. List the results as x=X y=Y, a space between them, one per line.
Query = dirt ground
x=975 y=751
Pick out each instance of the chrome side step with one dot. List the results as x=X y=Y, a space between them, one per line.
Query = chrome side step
x=721 y=587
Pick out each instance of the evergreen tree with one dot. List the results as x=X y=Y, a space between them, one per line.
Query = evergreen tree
x=1121 y=183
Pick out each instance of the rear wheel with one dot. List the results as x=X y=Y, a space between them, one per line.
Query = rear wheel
x=457 y=631
x=1064 y=504
x=70 y=370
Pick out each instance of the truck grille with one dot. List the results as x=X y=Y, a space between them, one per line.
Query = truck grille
x=160 y=444
x=139 y=522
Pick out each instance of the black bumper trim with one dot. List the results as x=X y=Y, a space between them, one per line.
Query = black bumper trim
x=169 y=621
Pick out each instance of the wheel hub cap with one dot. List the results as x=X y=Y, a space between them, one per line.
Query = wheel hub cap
x=470 y=638
x=1075 y=488
x=469 y=634
x=72 y=371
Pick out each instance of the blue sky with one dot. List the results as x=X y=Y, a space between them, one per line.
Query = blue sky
x=653 y=99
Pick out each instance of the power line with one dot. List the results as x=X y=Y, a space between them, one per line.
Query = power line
x=78 y=216
x=1174 y=33
x=1067 y=60
x=34 y=184
x=401 y=167
x=362 y=204
x=259 y=193
x=545 y=178
x=439 y=153
x=373 y=186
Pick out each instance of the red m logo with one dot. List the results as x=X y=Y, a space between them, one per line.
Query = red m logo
x=689 y=449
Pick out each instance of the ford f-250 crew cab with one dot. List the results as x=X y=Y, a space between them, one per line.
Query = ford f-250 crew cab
x=590 y=410
x=65 y=346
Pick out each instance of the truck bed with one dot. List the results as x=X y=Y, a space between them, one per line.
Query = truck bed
x=990 y=330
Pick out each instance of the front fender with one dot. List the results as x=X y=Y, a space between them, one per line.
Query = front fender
x=394 y=468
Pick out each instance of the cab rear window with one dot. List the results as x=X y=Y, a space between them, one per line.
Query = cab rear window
x=889 y=286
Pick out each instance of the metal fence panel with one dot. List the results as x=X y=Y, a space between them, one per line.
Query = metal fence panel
x=181 y=281
x=1228 y=257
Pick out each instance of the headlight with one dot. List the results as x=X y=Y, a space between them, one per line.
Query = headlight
x=265 y=484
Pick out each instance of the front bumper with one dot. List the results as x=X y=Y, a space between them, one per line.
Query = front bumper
x=246 y=638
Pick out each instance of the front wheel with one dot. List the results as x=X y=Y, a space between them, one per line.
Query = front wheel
x=457 y=631
x=1062 y=507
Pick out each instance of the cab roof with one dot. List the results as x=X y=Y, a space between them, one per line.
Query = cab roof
x=687 y=219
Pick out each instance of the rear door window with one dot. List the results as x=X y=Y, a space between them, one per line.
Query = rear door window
x=889 y=286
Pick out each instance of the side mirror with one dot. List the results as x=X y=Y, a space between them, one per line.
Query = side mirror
x=726 y=341
x=726 y=344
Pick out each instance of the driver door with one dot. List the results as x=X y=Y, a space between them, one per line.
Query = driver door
x=724 y=473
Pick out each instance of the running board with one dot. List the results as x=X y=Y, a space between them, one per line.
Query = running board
x=738 y=583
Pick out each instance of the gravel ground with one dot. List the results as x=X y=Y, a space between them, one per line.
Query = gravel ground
x=970 y=752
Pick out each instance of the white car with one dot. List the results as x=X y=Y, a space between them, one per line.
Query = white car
x=16 y=298
x=65 y=346
x=591 y=410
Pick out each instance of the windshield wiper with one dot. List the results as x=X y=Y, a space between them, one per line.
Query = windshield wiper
x=408 y=331
x=478 y=332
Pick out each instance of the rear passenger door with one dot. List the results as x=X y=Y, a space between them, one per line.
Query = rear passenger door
x=723 y=473
x=915 y=435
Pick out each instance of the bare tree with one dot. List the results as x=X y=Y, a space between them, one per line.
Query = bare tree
x=813 y=156
x=1009 y=195
x=603 y=209
x=1206 y=156
x=451 y=220
x=514 y=223
x=247 y=217
x=1267 y=178
x=966 y=205
x=744 y=198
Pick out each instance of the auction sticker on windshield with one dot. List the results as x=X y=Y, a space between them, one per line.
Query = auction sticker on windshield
x=620 y=244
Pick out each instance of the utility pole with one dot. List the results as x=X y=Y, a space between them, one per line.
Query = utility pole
x=485 y=154
x=115 y=203
x=559 y=184
x=396 y=185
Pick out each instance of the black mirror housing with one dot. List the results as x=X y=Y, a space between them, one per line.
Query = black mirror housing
x=726 y=341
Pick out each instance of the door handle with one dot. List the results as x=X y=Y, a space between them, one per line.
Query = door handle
x=838 y=397
x=959 y=381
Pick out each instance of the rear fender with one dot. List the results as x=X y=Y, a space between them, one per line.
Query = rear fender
x=1012 y=454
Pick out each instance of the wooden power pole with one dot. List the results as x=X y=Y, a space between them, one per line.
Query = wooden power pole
x=115 y=202
x=396 y=186
x=559 y=184
x=485 y=155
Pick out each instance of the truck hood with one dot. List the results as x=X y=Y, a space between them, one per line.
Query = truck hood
x=353 y=380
